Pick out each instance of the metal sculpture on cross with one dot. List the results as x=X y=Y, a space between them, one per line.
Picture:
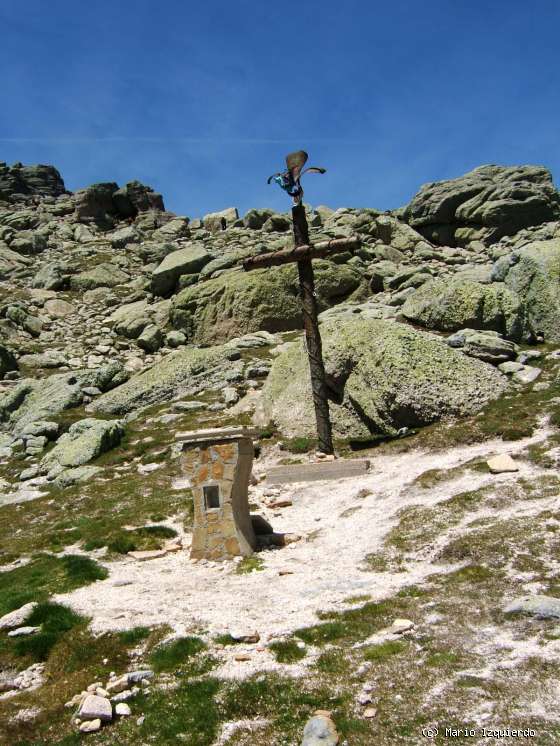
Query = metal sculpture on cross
x=302 y=253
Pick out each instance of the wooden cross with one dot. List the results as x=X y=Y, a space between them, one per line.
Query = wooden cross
x=302 y=253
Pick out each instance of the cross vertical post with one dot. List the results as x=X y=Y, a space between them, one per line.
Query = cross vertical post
x=303 y=252
x=312 y=333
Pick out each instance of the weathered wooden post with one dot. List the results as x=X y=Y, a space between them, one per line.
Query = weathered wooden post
x=302 y=253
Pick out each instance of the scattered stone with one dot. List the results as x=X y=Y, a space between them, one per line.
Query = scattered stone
x=90 y=726
x=320 y=731
x=21 y=631
x=147 y=554
x=123 y=696
x=135 y=677
x=527 y=374
x=502 y=463
x=543 y=607
x=527 y=355
x=151 y=338
x=400 y=626
x=94 y=707
x=245 y=636
x=16 y=618
x=122 y=709
x=283 y=502
x=370 y=712
x=510 y=367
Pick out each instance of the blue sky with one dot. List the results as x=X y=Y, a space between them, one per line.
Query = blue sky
x=202 y=100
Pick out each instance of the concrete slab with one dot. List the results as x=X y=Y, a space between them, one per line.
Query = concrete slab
x=326 y=470
x=215 y=434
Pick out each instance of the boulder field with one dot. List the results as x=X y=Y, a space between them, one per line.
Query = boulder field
x=110 y=304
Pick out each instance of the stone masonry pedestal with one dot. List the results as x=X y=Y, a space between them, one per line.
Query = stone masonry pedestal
x=218 y=464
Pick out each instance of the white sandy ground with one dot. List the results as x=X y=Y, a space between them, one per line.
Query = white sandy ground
x=209 y=599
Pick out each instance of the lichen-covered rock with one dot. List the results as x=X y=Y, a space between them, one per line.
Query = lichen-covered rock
x=11 y=261
x=237 y=303
x=383 y=376
x=486 y=203
x=85 y=440
x=20 y=316
x=449 y=304
x=176 y=228
x=182 y=372
x=28 y=242
x=182 y=262
x=484 y=345
x=397 y=234
x=43 y=399
x=123 y=236
x=151 y=338
x=276 y=224
x=535 y=278
x=105 y=274
x=51 y=276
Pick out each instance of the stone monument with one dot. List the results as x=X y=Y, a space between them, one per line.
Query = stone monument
x=218 y=464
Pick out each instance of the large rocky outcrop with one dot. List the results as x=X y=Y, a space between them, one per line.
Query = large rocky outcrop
x=487 y=203
x=384 y=376
x=522 y=305
x=85 y=440
x=239 y=302
x=101 y=203
x=184 y=371
x=29 y=180
x=452 y=303
x=43 y=399
x=185 y=261
x=535 y=278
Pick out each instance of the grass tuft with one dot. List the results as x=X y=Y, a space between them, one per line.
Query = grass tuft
x=287 y=651
x=384 y=650
x=45 y=575
x=170 y=656
x=249 y=564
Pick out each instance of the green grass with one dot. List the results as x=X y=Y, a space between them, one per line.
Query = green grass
x=288 y=703
x=333 y=662
x=121 y=541
x=287 y=651
x=384 y=650
x=96 y=511
x=249 y=564
x=190 y=715
x=356 y=624
x=55 y=620
x=45 y=575
x=298 y=445
x=170 y=656
x=134 y=636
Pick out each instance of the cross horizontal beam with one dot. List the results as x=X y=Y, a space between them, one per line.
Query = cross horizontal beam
x=299 y=253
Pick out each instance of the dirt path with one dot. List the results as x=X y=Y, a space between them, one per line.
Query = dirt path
x=327 y=565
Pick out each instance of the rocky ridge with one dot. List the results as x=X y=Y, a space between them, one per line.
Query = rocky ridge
x=104 y=285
